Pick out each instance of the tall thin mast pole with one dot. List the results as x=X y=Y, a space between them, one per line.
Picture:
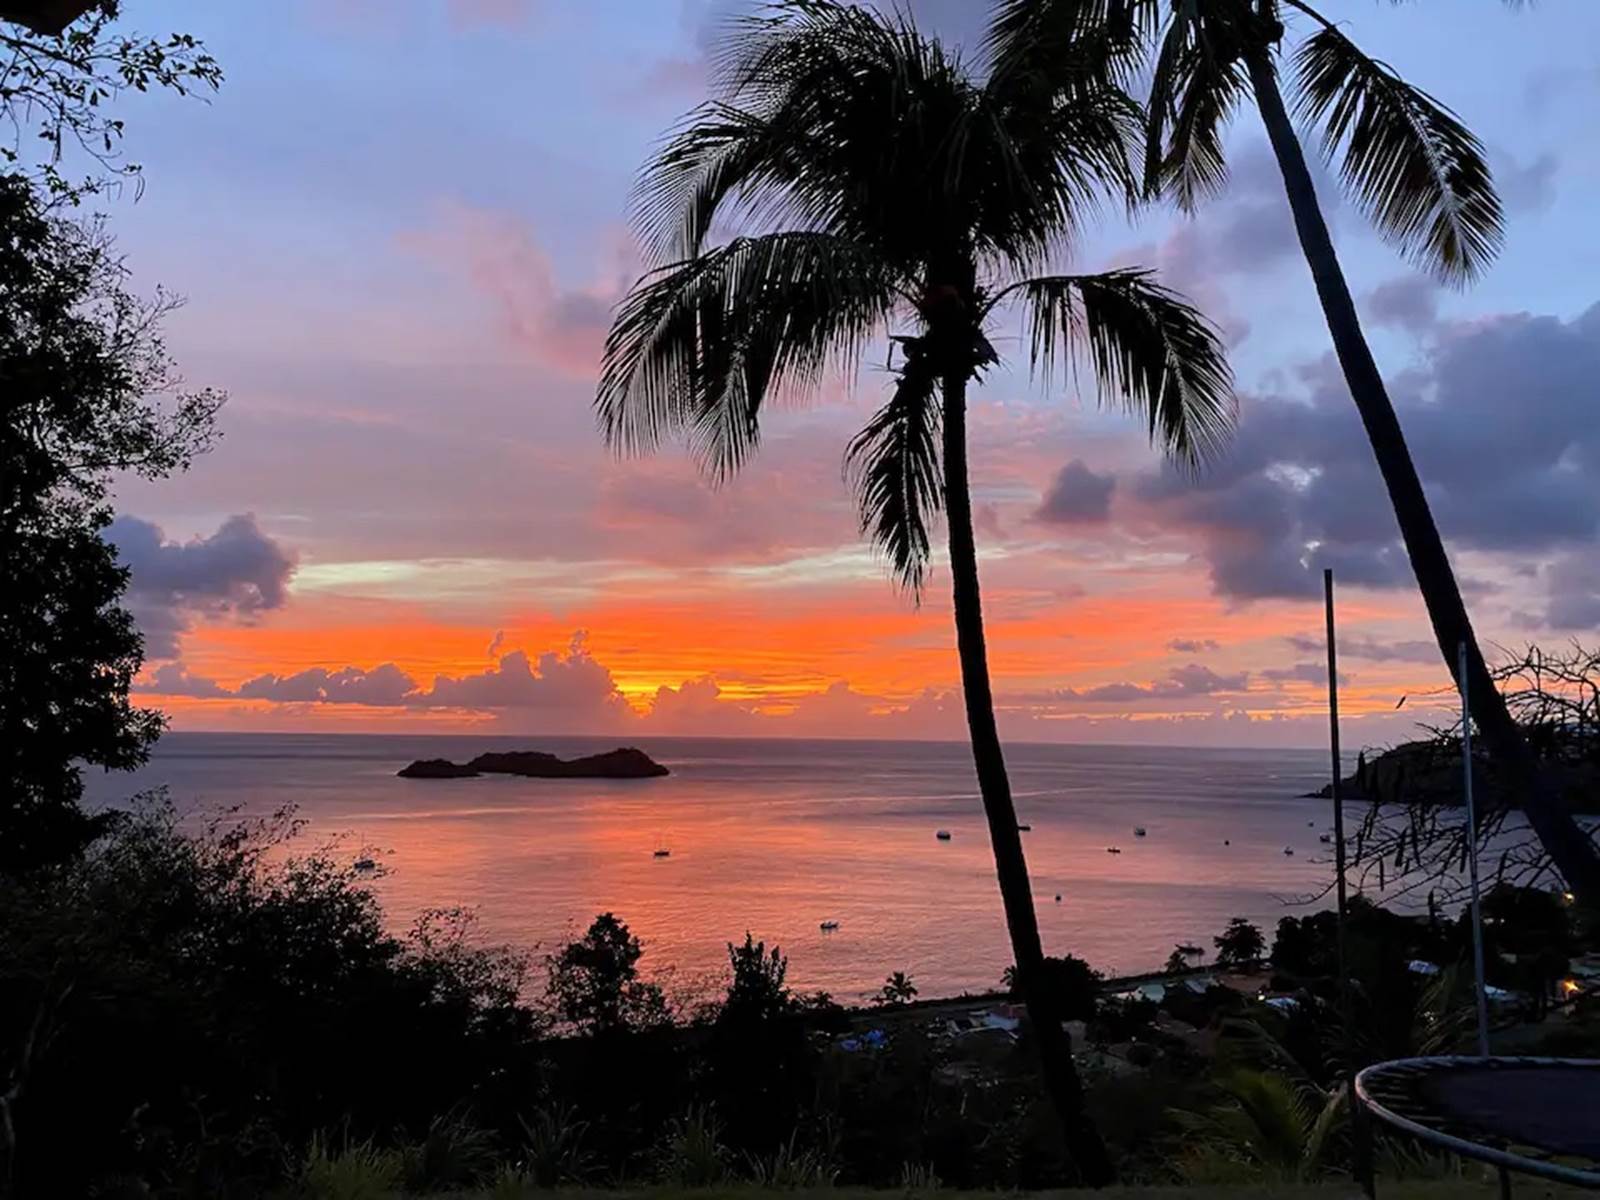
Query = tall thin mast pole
x=1472 y=860
x=1346 y=1019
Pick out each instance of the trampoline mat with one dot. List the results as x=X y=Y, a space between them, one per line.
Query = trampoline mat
x=1553 y=1108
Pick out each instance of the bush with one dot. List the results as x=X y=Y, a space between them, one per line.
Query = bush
x=194 y=1009
x=357 y=1172
x=454 y=1153
x=553 y=1145
x=691 y=1153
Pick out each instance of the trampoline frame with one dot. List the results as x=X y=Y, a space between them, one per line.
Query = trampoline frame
x=1462 y=1146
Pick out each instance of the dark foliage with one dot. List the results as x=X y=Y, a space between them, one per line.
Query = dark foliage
x=1239 y=945
x=57 y=94
x=595 y=984
x=189 y=1010
x=82 y=362
x=1071 y=985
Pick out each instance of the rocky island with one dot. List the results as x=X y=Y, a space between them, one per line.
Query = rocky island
x=623 y=763
x=1429 y=773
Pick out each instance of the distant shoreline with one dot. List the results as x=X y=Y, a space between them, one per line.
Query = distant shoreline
x=677 y=738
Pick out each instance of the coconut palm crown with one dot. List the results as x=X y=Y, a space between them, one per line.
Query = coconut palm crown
x=884 y=190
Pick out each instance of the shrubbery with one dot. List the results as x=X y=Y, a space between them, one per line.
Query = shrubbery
x=192 y=1009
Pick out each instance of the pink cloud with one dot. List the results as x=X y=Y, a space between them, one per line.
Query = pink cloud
x=557 y=326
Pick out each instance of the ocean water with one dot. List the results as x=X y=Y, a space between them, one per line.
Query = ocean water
x=775 y=837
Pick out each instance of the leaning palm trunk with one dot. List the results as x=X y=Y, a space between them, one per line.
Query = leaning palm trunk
x=1568 y=846
x=1055 y=1046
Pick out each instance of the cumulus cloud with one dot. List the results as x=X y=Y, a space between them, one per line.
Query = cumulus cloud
x=174 y=679
x=571 y=686
x=1076 y=496
x=1496 y=423
x=568 y=684
x=386 y=685
x=238 y=572
x=1187 y=681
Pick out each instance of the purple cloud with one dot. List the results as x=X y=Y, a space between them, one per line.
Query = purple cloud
x=238 y=572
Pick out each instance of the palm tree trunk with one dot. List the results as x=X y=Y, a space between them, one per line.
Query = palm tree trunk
x=1055 y=1046
x=1569 y=848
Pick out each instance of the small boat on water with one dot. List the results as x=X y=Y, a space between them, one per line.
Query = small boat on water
x=1325 y=838
x=1289 y=850
x=1138 y=831
x=828 y=926
x=1058 y=897
x=1024 y=828
x=943 y=835
x=663 y=854
x=366 y=864
x=1113 y=849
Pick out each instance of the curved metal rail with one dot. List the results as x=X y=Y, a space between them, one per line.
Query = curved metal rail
x=1389 y=1090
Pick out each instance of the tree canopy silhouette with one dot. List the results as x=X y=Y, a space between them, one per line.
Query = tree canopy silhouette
x=85 y=373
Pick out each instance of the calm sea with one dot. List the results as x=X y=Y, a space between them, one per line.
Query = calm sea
x=775 y=837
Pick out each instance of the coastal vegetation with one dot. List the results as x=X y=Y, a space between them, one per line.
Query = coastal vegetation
x=225 y=1013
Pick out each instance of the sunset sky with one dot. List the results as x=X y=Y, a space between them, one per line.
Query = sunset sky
x=400 y=226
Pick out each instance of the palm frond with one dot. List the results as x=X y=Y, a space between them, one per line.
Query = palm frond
x=1069 y=41
x=1199 y=80
x=1040 y=164
x=1060 y=131
x=1149 y=348
x=697 y=347
x=828 y=117
x=893 y=466
x=1418 y=172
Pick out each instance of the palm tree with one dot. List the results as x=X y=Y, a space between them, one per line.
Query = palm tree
x=883 y=189
x=1407 y=161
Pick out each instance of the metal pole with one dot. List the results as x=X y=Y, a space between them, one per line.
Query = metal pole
x=1363 y=1159
x=1472 y=874
x=1472 y=857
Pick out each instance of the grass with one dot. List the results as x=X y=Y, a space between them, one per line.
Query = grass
x=1522 y=1188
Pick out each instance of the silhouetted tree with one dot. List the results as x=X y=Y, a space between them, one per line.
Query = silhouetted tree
x=897 y=989
x=83 y=369
x=1072 y=985
x=757 y=991
x=57 y=93
x=595 y=982
x=1239 y=945
x=883 y=185
x=1407 y=161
